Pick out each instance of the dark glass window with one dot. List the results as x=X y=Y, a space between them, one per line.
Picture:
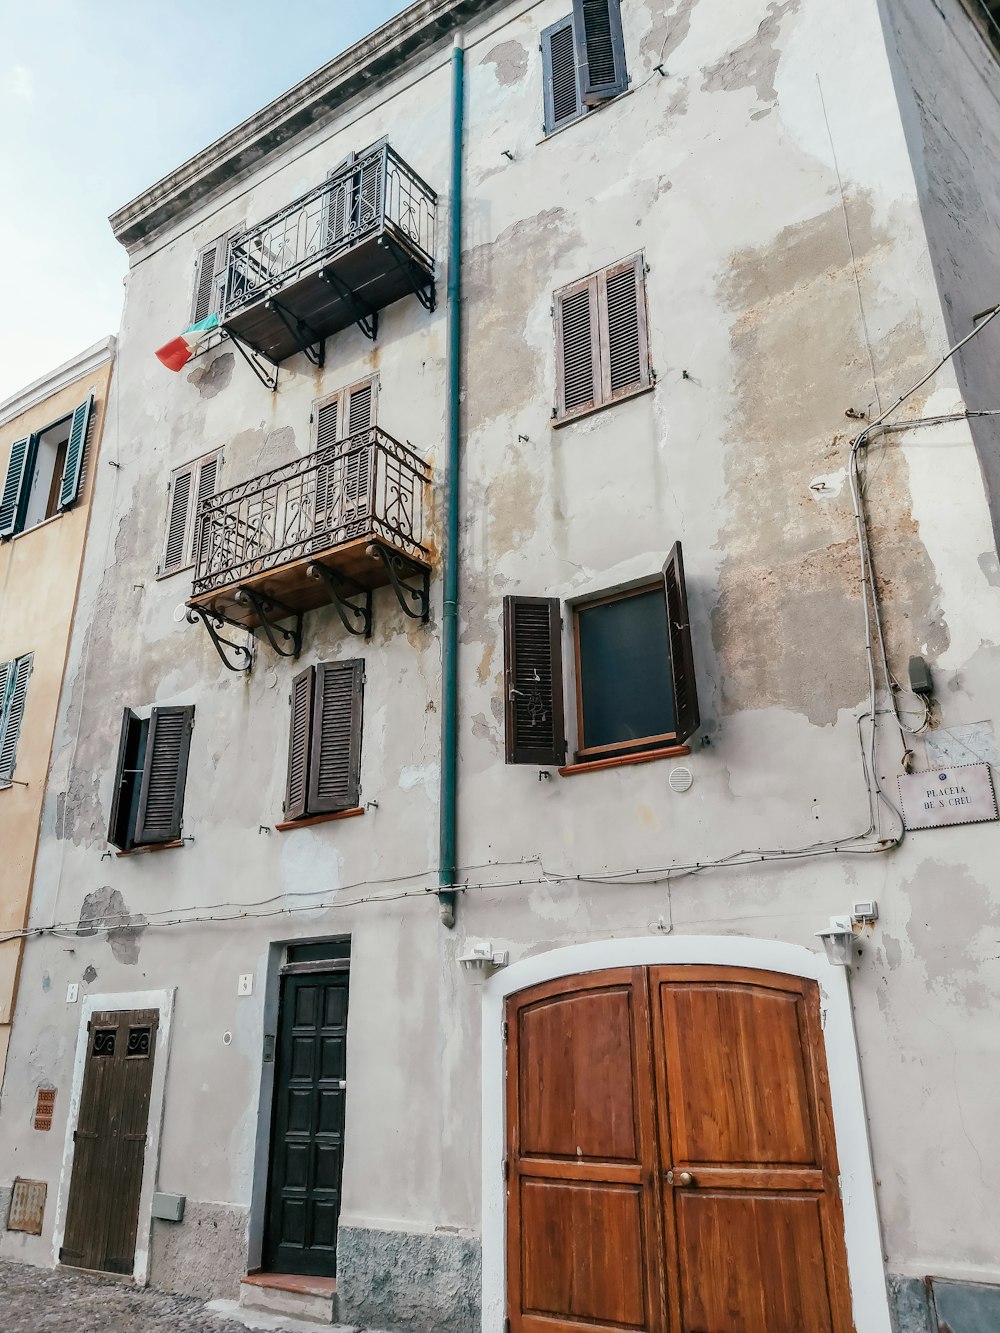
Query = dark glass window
x=624 y=686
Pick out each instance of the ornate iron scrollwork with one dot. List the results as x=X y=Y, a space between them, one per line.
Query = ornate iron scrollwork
x=414 y=598
x=356 y=618
x=138 y=1043
x=210 y=621
x=306 y=340
x=362 y=314
x=264 y=608
x=257 y=362
x=104 y=1041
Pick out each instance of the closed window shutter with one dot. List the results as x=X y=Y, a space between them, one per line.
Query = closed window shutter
x=359 y=416
x=361 y=402
x=578 y=348
x=299 y=735
x=335 y=761
x=175 y=549
x=369 y=188
x=559 y=72
x=208 y=484
x=624 y=342
x=13 y=712
x=161 y=795
x=533 y=706
x=600 y=49
x=15 y=491
x=118 y=822
x=681 y=651
x=76 y=447
x=327 y=423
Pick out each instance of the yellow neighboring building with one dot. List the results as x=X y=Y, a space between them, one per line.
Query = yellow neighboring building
x=50 y=437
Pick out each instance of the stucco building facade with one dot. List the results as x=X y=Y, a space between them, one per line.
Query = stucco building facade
x=703 y=268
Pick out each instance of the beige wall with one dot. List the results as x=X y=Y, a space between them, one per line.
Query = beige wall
x=39 y=574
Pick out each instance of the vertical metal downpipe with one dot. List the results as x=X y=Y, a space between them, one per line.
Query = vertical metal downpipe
x=449 y=624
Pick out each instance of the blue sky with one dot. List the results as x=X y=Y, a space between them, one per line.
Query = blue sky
x=99 y=99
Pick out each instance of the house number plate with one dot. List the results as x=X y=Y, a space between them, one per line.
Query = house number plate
x=962 y=794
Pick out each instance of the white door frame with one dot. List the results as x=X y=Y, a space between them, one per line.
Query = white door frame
x=861 y=1225
x=163 y=1002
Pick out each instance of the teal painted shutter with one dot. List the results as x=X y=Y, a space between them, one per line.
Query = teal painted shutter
x=161 y=796
x=559 y=72
x=14 y=495
x=686 y=712
x=69 y=488
x=600 y=50
x=13 y=712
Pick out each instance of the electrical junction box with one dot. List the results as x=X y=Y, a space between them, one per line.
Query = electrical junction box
x=920 y=677
x=169 y=1207
x=864 y=912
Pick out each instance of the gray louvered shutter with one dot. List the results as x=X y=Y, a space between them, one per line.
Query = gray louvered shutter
x=161 y=795
x=76 y=448
x=686 y=712
x=208 y=484
x=123 y=789
x=14 y=495
x=175 y=547
x=559 y=74
x=299 y=734
x=360 y=419
x=205 y=300
x=578 y=348
x=369 y=193
x=335 y=761
x=600 y=49
x=12 y=714
x=533 y=686
x=327 y=472
x=624 y=339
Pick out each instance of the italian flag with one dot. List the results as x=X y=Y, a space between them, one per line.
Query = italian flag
x=178 y=351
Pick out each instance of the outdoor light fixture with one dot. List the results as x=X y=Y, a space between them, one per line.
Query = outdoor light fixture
x=838 y=941
x=480 y=960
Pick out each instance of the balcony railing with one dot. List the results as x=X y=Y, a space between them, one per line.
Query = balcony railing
x=336 y=256
x=368 y=489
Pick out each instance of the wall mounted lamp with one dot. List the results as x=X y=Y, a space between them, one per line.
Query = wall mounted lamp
x=838 y=941
x=480 y=960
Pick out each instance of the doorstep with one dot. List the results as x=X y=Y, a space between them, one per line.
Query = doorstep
x=294 y=1295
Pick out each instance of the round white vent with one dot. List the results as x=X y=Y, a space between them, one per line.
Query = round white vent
x=180 y=612
x=680 y=779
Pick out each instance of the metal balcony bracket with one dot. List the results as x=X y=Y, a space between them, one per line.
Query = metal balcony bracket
x=356 y=615
x=265 y=370
x=363 y=315
x=410 y=582
x=306 y=339
x=269 y=612
x=244 y=655
x=422 y=285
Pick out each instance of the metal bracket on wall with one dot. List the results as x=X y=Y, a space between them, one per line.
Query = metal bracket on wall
x=306 y=340
x=423 y=287
x=265 y=370
x=264 y=608
x=210 y=621
x=362 y=314
x=356 y=617
x=401 y=573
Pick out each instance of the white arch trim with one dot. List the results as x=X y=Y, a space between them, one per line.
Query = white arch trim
x=861 y=1226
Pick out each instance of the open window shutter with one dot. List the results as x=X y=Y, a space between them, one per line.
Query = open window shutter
x=360 y=419
x=12 y=715
x=578 y=348
x=175 y=548
x=299 y=734
x=600 y=49
x=369 y=188
x=624 y=342
x=123 y=789
x=69 y=487
x=562 y=87
x=335 y=762
x=161 y=796
x=14 y=496
x=534 y=730
x=681 y=651
x=327 y=510
x=204 y=283
x=208 y=484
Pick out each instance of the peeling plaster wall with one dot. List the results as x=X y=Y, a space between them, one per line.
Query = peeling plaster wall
x=722 y=173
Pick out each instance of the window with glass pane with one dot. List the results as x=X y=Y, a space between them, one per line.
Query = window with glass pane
x=624 y=688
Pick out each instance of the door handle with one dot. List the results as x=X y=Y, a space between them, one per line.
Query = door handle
x=342 y=1084
x=682 y=1179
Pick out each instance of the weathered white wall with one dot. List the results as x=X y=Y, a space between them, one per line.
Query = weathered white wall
x=722 y=173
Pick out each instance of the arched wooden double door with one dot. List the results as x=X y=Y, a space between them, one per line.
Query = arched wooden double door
x=671 y=1157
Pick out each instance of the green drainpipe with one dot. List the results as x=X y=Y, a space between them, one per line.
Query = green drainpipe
x=449 y=627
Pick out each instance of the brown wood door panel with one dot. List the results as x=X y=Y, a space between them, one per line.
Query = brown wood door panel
x=583 y=1239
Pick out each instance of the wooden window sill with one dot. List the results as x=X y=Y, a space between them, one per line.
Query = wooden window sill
x=557 y=423
x=152 y=847
x=643 y=757
x=319 y=819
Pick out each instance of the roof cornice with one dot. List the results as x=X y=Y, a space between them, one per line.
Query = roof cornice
x=366 y=64
x=85 y=363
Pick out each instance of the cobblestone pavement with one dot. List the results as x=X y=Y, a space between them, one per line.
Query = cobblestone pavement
x=39 y=1300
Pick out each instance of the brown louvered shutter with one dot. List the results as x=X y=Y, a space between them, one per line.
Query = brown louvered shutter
x=208 y=484
x=121 y=797
x=533 y=706
x=174 y=552
x=11 y=714
x=624 y=342
x=578 y=348
x=299 y=734
x=562 y=89
x=335 y=762
x=328 y=418
x=161 y=795
x=360 y=416
x=369 y=188
x=360 y=419
x=600 y=49
x=681 y=651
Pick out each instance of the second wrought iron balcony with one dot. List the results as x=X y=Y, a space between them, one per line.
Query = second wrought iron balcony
x=337 y=256
x=326 y=528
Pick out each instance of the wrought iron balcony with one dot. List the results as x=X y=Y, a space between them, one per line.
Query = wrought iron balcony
x=336 y=256
x=329 y=527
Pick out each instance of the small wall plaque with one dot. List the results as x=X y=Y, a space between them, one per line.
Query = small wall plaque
x=27 y=1206
x=961 y=794
x=45 y=1102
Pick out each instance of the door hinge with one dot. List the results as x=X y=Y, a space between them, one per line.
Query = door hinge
x=506 y=1029
x=506 y=1168
x=822 y=1018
